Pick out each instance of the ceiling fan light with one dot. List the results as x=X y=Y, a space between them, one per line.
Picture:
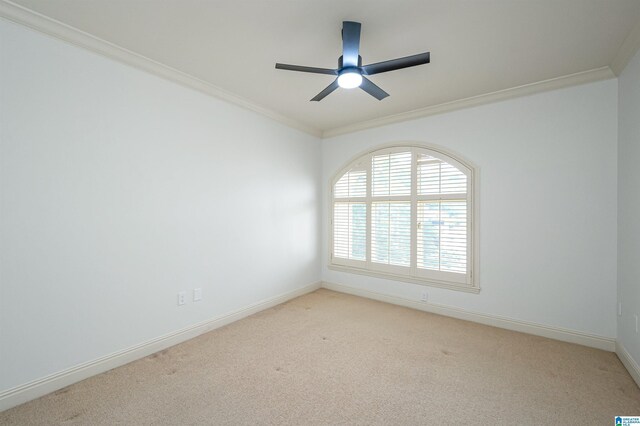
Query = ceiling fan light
x=350 y=79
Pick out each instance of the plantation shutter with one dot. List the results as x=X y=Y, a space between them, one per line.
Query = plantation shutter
x=350 y=227
x=351 y=184
x=437 y=177
x=442 y=236
x=442 y=216
x=391 y=209
x=391 y=233
x=350 y=217
x=391 y=174
x=405 y=212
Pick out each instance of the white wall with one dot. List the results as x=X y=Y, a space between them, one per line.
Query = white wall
x=547 y=166
x=629 y=206
x=119 y=189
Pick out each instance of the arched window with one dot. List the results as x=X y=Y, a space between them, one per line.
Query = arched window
x=405 y=213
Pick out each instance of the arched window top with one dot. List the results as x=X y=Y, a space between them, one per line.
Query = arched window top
x=405 y=212
x=437 y=172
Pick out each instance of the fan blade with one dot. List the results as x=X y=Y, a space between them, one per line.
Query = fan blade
x=330 y=88
x=396 y=64
x=368 y=86
x=306 y=69
x=350 y=43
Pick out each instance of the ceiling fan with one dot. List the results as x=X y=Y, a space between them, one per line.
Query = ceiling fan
x=350 y=72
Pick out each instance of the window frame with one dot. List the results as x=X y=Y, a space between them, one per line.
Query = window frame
x=468 y=282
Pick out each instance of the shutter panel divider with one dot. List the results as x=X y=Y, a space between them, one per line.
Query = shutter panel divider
x=414 y=211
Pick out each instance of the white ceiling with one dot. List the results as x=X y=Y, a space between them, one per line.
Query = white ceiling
x=477 y=46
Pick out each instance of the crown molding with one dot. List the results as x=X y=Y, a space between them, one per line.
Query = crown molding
x=34 y=20
x=629 y=47
x=583 y=77
x=44 y=24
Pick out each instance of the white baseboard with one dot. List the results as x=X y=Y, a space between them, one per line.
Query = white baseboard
x=53 y=382
x=37 y=388
x=629 y=363
x=565 y=335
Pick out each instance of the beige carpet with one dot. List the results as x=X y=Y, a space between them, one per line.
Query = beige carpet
x=330 y=358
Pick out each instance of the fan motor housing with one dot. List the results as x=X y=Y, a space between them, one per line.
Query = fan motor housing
x=340 y=61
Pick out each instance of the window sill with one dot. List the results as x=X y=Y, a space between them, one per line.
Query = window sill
x=413 y=280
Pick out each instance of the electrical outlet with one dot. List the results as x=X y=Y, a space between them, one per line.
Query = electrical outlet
x=424 y=296
x=182 y=297
x=197 y=294
x=619 y=309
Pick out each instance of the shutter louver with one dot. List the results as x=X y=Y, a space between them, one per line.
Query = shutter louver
x=391 y=174
x=428 y=249
x=349 y=230
x=350 y=217
x=453 y=236
x=391 y=233
x=442 y=235
x=442 y=224
x=351 y=184
x=391 y=221
x=437 y=177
